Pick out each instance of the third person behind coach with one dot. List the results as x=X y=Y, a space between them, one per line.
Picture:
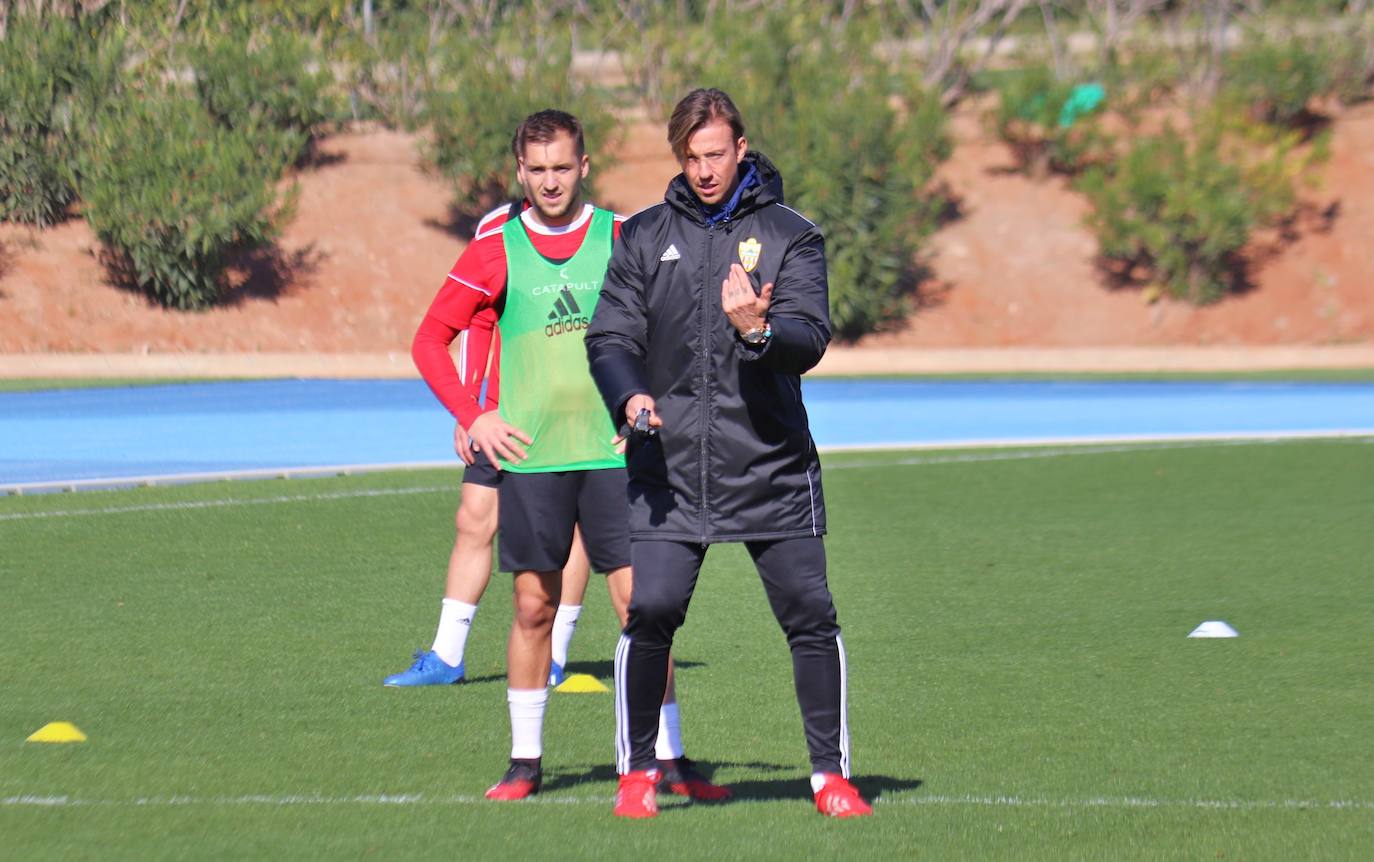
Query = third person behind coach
x=715 y=302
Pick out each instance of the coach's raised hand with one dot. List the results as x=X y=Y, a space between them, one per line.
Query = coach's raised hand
x=496 y=438
x=747 y=310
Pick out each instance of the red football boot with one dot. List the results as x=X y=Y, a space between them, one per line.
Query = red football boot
x=682 y=778
x=839 y=798
x=522 y=780
x=637 y=795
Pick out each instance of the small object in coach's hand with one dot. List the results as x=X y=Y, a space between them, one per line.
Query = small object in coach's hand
x=642 y=424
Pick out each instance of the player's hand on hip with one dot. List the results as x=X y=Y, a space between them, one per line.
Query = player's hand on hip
x=462 y=444
x=498 y=439
x=633 y=407
x=745 y=309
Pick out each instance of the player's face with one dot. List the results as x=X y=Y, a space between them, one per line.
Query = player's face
x=551 y=174
x=711 y=162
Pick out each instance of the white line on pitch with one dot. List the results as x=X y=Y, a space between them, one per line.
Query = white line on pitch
x=164 y=479
x=212 y=504
x=407 y=799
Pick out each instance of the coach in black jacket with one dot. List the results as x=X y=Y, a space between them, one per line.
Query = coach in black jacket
x=715 y=302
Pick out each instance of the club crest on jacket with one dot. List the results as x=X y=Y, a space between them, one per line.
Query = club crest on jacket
x=749 y=252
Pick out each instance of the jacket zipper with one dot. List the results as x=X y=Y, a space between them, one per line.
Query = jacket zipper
x=706 y=339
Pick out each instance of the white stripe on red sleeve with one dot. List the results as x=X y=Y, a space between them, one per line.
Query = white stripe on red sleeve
x=465 y=283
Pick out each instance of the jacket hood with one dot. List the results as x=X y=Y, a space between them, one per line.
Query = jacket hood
x=767 y=189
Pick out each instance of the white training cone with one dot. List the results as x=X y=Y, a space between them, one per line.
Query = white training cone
x=1214 y=629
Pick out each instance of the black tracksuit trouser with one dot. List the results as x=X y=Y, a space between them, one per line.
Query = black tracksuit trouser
x=793 y=574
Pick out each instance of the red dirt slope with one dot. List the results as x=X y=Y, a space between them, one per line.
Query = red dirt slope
x=373 y=238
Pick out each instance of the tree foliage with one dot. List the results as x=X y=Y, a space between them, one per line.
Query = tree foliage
x=54 y=75
x=1036 y=117
x=247 y=81
x=475 y=97
x=174 y=196
x=1182 y=205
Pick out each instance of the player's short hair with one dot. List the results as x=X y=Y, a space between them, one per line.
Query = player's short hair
x=542 y=127
x=697 y=109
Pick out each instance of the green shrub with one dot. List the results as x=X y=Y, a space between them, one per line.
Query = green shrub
x=174 y=195
x=1353 y=60
x=861 y=167
x=251 y=82
x=385 y=74
x=1184 y=206
x=476 y=99
x=53 y=75
x=1050 y=125
x=1278 y=81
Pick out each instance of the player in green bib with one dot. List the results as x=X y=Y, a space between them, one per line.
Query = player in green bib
x=546 y=390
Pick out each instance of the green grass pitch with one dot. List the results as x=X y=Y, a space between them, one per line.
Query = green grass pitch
x=1021 y=686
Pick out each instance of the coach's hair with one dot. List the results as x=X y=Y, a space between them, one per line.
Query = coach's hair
x=542 y=127
x=697 y=108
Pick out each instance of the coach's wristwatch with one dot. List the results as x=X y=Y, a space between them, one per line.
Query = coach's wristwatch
x=758 y=336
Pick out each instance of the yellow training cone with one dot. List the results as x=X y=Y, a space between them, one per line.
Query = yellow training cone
x=57 y=731
x=581 y=683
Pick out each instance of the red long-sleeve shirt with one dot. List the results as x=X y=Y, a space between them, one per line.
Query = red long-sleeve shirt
x=470 y=297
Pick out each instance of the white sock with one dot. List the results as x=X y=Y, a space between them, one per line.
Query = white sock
x=527 y=721
x=817 y=782
x=564 y=625
x=455 y=619
x=669 y=745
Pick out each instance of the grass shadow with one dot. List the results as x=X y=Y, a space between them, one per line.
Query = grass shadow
x=794 y=787
x=605 y=669
x=585 y=773
x=791 y=783
x=602 y=670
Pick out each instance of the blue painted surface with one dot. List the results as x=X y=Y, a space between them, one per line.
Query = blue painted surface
x=78 y=434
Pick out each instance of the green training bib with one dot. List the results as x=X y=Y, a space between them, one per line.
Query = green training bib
x=546 y=388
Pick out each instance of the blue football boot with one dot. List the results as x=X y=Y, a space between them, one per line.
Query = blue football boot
x=556 y=675
x=428 y=669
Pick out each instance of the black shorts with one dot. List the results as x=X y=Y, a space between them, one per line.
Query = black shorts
x=481 y=472
x=538 y=511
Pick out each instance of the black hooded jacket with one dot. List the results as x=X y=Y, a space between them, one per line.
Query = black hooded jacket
x=734 y=460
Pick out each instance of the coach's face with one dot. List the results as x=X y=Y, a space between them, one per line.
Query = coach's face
x=711 y=161
x=551 y=174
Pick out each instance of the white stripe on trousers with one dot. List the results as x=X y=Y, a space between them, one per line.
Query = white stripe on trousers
x=622 y=717
x=463 y=357
x=622 y=706
x=844 y=708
